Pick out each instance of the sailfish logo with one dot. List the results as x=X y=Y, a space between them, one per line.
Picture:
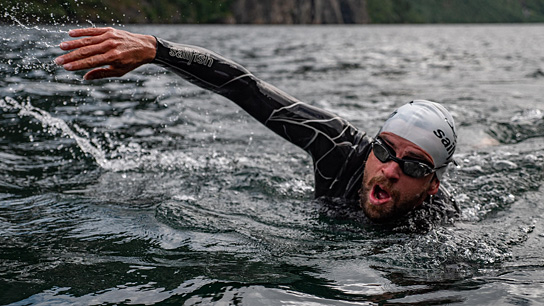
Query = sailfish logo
x=192 y=56
x=448 y=144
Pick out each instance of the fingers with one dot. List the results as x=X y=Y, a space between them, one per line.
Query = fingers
x=101 y=73
x=88 y=32
x=79 y=43
x=93 y=61
x=95 y=37
x=88 y=46
x=123 y=51
x=80 y=54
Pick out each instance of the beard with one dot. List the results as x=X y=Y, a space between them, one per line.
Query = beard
x=398 y=205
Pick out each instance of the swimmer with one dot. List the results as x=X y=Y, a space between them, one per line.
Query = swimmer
x=389 y=175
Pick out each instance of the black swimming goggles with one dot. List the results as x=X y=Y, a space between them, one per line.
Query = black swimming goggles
x=412 y=168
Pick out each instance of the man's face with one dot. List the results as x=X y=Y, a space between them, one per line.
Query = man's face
x=387 y=193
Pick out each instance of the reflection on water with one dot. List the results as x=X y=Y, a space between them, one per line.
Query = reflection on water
x=147 y=189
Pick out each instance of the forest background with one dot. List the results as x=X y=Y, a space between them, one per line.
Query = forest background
x=271 y=11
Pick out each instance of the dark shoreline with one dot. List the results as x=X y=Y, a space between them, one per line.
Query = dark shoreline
x=268 y=12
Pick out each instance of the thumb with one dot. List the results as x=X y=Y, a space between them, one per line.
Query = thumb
x=101 y=73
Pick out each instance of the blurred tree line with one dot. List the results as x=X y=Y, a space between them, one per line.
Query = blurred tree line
x=455 y=11
x=230 y=11
x=115 y=12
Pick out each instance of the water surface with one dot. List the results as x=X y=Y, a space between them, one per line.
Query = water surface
x=147 y=189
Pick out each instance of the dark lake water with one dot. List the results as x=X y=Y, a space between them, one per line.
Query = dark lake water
x=149 y=190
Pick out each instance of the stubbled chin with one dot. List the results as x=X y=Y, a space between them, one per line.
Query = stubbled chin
x=376 y=216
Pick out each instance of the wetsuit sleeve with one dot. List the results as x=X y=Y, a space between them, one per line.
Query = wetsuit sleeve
x=328 y=138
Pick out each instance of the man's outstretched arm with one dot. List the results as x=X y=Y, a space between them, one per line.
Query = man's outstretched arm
x=110 y=52
x=326 y=137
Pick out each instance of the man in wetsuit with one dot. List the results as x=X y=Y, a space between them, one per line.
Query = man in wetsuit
x=389 y=175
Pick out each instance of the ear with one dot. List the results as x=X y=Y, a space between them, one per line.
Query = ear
x=433 y=186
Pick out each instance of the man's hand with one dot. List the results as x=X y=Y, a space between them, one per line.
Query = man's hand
x=121 y=50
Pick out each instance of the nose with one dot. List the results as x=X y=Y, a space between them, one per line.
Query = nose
x=391 y=170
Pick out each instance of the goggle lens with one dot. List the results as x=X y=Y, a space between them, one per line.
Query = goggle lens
x=411 y=168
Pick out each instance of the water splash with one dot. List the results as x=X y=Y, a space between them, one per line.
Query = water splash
x=37 y=28
x=91 y=23
x=55 y=126
x=124 y=157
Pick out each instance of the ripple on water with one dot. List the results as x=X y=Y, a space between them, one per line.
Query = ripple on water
x=490 y=181
x=524 y=125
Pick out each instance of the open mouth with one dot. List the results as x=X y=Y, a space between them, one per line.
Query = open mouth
x=379 y=196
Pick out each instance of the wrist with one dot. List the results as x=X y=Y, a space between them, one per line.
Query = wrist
x=150 y=51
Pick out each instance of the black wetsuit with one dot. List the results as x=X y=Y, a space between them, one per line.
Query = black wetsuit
x=339 y=151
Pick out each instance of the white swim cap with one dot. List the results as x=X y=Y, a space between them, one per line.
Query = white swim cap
x=428 y=125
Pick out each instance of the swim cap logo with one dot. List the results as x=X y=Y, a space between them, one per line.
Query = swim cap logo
x=448 y=144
